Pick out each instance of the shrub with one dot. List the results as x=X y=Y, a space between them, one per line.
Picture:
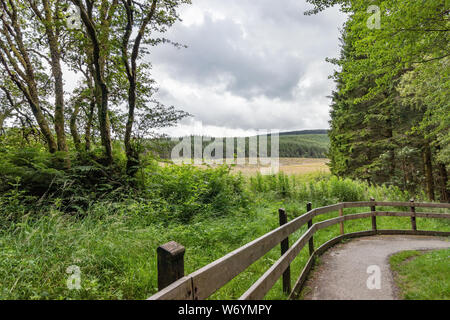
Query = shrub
x=187 y=191
x=322 y=189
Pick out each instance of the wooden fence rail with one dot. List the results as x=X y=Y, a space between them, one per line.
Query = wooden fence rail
x=202 y=283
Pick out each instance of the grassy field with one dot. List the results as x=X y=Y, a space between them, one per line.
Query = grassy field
x=114 y=244
x=422 y=275
x=290 y=166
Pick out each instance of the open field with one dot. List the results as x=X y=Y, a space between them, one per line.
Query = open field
x=290 y=166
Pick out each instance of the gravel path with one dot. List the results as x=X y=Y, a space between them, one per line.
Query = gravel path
x=342 y=271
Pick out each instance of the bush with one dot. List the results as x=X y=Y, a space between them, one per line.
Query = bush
x=187 y=191
x=322 y=189
x=44 y=176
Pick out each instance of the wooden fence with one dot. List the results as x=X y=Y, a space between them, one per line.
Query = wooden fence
x=201 y=284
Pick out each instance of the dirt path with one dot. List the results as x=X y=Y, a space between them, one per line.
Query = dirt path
x=342 y=271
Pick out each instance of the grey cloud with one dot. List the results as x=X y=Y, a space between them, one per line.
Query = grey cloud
x=260 y=50
x=218 y=50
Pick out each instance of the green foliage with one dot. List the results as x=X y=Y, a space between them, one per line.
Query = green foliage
x=422 y=275
x=304 y=146
x=44 y=176
x=32 y=177
x=114 y=242
x=185 y=192
x=291 y=145
x=390 y=121
x=322 y=189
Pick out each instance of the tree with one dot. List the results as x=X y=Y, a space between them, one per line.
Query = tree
x=50 y=15
x=115 y=23
x=98 y=30
x=390 y=111
x=22 y=62
x=140 y=19
x=38 y=39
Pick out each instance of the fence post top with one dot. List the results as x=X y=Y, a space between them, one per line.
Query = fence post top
x=372 y=199
x=171 y=248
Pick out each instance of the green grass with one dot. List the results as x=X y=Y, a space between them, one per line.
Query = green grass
x=422 y=275
x=115 y=243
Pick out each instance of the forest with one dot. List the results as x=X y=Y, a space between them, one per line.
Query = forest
x=85 y=174
x=299 y=144
x=390 y=117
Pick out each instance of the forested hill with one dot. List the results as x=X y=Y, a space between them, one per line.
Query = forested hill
x=304 y=132
x=293 y=144
x=304 y=144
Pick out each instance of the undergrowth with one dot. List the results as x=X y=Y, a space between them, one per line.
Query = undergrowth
x=111 y=232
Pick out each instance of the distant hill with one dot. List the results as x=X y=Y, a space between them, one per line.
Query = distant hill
x=293 y=144
x=304 y=132
x=304 y=145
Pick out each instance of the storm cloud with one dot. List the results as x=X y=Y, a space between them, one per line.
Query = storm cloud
x=249 y=64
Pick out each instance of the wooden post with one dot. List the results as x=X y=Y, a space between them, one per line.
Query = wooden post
x=374 y=218
x=284 y=248
x=413 y=218
x=170 y=264
x=341 y=214
x=310 y=223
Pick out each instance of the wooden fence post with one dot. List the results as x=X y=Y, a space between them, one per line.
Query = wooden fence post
x=310 y=223
x=170 y=263
x=341 y=214
x=413 y=217
x=374 y=218
x=284 y=248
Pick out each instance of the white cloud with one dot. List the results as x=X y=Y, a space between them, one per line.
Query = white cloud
x=249 y=65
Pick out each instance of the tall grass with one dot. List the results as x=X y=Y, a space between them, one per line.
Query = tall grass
x=422 y=275
x=323 y=188
x=210 y=212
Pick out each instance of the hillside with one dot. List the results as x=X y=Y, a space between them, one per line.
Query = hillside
x=294 y=144
x=303 y=145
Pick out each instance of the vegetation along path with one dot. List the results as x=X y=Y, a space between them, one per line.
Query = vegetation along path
x=342 y=273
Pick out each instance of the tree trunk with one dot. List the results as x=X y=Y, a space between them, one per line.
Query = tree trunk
x=2 y=120
x=55 y=56
x=92 y=104
x=87 y=134
x=98 y=57
x=24 y=79
x=73 y=127
x=132 y=156
x=428 y=166
x=131 y=69
x=103 y=117
x=42 y=122
x=445 y=191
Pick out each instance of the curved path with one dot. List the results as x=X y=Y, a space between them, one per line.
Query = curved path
x=342 y=271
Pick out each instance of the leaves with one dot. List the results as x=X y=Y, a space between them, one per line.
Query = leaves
x=393 y=94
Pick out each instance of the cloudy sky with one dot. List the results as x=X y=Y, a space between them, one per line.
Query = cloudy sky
x=249 y=65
